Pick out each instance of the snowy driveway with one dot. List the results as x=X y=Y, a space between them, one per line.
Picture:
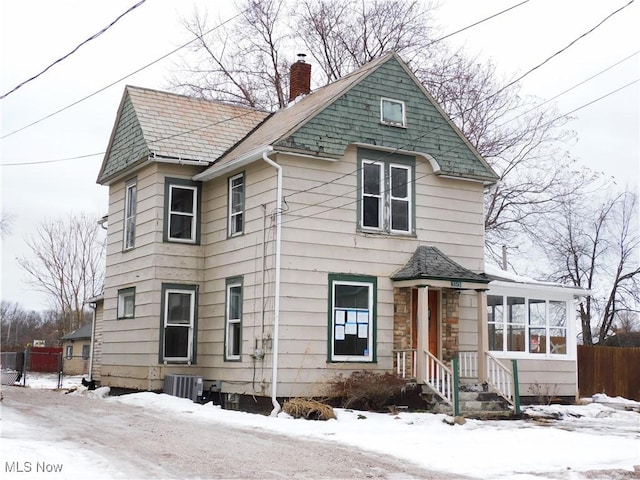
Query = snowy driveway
x=45 y=431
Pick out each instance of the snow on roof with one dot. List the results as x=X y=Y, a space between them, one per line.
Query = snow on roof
x=500 y=275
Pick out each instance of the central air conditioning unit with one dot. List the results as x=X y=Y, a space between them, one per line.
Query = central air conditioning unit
x=183 y=386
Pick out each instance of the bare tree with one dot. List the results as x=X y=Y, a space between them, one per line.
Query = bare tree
x=596 y=247
x=519 y=141
x=67 y=263
x=244 y=63
x=6 y=222
x=20 y=327
x=344 y=35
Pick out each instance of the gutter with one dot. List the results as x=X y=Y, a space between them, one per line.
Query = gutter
x=217 y=170
x=276 y=306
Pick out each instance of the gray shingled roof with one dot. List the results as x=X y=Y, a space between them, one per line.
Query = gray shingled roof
x=430 y=263
x=83 y=332
x=174 y=126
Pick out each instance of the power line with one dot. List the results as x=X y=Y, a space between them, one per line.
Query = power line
x=120 y=79
x=513 y=82
x=174 y=51
x=92 y=37
x=572 y=87
x=477 y=23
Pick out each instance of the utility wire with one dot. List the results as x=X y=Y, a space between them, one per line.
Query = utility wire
x=571 y=88
x=477 y=23
x=120 y=79
x=92 y=37
x=513 y=82
x=171 y=53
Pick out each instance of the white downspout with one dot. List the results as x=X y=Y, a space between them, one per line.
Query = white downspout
x=276 y=306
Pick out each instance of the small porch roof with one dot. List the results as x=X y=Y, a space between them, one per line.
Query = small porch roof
x=428 y=266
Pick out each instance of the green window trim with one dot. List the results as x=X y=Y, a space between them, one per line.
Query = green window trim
x=233 y=319
x=182 y=211
x=386 y=193
x=178 y=292
x=352 y=327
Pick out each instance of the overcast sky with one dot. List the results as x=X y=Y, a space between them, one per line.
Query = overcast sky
x=37 y=32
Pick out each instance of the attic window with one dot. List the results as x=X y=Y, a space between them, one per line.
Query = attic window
x=392 y=112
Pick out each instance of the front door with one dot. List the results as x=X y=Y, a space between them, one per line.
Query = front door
x=433 y=323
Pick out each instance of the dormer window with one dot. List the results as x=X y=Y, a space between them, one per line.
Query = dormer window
x=392 y=112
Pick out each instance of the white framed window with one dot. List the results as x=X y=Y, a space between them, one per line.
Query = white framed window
x=126 y=303
x=182 y=200
x=529 y=325
x=130 y=201
x=69 y=352
x=236 y=205
x=233 y=316
x=386 y=196
x=372 y=194
x=392 y=112
x=178 y=321
x=352 y=318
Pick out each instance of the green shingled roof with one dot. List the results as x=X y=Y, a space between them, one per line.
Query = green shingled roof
x=347 y=111
x=176 y=126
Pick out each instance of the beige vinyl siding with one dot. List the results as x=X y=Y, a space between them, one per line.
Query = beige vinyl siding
x=130 y=346
x=468 y=325
x=548 y=377
x=327 y=216
x=97 y=342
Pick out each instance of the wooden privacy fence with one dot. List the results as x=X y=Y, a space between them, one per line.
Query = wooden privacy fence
x=611 y=370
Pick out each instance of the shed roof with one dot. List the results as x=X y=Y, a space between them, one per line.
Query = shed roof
x=81 y=333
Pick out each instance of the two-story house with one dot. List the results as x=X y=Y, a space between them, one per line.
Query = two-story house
x=270 y=252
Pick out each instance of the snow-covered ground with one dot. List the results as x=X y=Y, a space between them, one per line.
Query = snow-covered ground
x=559 y=442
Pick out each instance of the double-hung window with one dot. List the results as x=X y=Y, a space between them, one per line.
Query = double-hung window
x=69 y=352
x=233 y=324
x=530 y=325
x=126 y=302
x=130 y=200
x=179 y=304
x=386 y=194
x=182 y=200
x=236 y=205
x=352 y=318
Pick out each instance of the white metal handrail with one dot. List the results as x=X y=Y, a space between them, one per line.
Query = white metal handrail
x=401 y=362
x=439 y=378
x=500 y=378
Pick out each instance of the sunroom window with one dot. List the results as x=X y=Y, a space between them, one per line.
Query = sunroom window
x=528 y=325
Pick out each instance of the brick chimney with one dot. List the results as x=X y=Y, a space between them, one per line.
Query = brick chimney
x=300 y=78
